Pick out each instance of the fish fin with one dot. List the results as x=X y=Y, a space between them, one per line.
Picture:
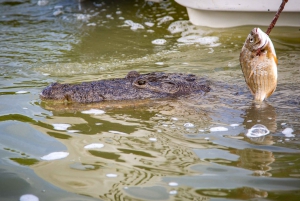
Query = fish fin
x=252 y=92
x=275 y=59
x=272 y=55
x=271 y=92
x=251 y=73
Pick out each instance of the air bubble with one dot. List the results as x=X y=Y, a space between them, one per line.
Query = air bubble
x=258 y=130
x=188 y=125
x=159 y=42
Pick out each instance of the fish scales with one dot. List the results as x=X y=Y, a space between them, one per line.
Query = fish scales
x=260 y=70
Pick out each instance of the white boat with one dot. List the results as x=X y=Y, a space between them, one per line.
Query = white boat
x=231 y=13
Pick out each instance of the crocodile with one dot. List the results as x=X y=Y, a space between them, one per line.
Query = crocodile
x=134 y=86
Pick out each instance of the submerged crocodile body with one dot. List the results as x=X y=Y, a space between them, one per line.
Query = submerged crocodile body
x=134 y=86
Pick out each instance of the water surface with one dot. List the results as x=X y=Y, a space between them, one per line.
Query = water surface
x=192 y=148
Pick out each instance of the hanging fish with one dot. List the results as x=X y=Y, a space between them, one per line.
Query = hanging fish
x=259 y=64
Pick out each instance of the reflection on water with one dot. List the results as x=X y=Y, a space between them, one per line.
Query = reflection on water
x=191 y=148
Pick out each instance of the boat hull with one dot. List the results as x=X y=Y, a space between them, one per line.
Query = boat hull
x=221 y=14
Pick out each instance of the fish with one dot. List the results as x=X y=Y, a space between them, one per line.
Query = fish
x=259 y=64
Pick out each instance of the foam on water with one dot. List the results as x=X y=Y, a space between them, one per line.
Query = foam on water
x=257 y=130
x=83 y=17
x=42 y=2
x=207 y=40
x=57 y=12
x=29 y=197
x=159 y=42
x=178 y=27
x=94 y=146
x=58 y=7
x=218 y=128
x=55 y=156
x=133 y=26
x=152 y=139
x=164 y=20
x=188 y=125
x=191 y=34
x=149 y=24
x=211 y=50
x=111 y=175
x=91 y=24
x=173 y=184
x=22 y=92
x=159 y=63
x=173 y=192
x=109 y=16
x=117 y=132
x=73 y=131
x=61 y=127
x=93 y=111
x=288 y=132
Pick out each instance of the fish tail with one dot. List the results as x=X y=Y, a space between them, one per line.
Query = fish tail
x=259 y=96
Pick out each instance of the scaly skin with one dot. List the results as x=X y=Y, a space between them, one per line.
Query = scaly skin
x=260 y=71
x=134 y=86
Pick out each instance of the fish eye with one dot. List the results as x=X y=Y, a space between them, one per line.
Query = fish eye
x=251 y=40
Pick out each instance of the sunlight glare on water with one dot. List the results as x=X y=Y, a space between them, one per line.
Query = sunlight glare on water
x=190 y=148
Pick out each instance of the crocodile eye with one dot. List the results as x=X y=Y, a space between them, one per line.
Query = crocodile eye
x=141 y=82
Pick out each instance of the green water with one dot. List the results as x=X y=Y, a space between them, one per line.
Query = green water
x=149 y=152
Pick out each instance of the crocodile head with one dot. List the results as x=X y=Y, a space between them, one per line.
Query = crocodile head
x=56 y=91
